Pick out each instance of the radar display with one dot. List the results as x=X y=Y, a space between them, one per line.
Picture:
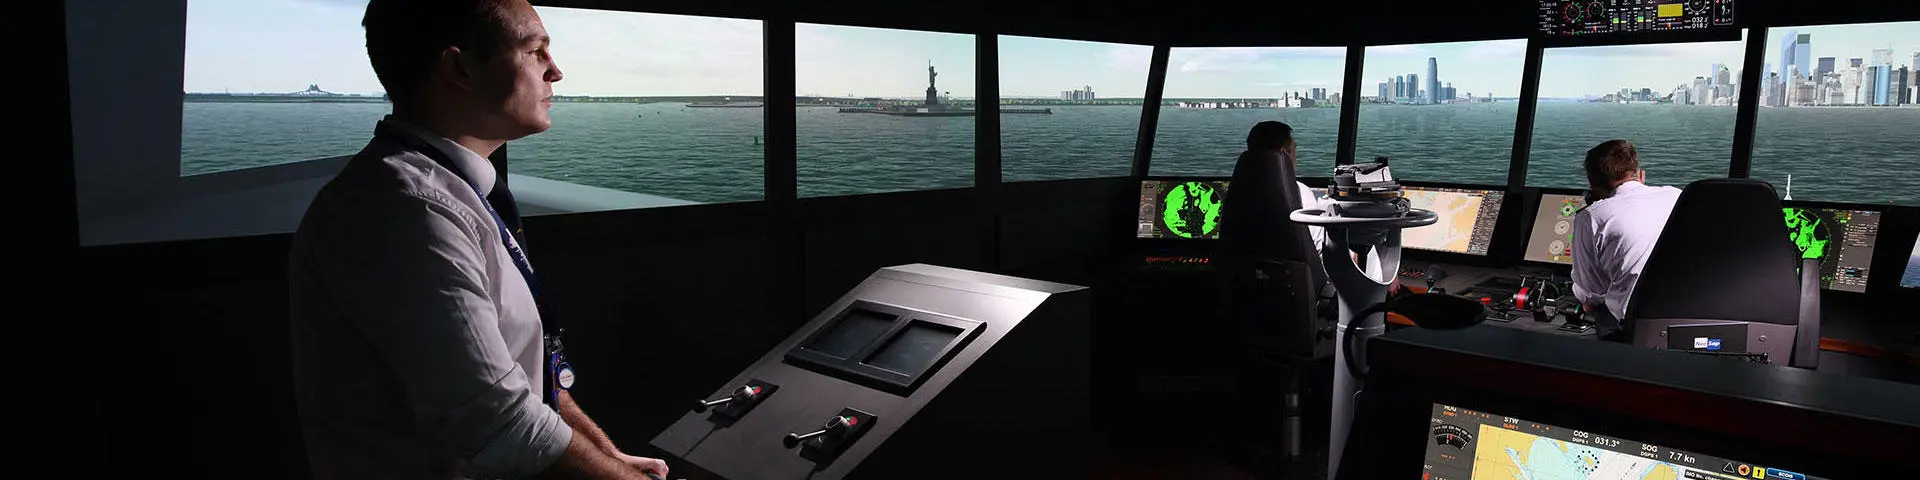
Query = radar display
x=1181 y=209
x=1843 y=241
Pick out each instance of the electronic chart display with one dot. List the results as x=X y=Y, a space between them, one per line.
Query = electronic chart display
x=1472 y=445
x=1467 y=218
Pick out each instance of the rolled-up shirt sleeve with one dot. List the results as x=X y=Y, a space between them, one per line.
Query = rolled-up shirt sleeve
x=418 y=271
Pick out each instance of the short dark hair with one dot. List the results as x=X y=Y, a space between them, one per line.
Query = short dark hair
x=1609 y=162
x=1269 y=135
x=405 y=37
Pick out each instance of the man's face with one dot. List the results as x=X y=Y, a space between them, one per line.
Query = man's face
x=515 y=86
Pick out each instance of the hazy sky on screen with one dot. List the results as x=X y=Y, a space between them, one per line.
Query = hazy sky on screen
x=1253 y=72
x=1042 y=67
x=1597 y=71
x=833 y=60
x=1574 y=72
x=1483 y=68
x=279 y=46
x=249 y=46
x=1851 y=41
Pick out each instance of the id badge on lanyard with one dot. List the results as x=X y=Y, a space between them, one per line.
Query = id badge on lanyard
x=559 y=374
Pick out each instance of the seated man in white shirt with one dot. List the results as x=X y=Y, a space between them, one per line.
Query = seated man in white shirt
x=1277 y=138
x=1613 y=235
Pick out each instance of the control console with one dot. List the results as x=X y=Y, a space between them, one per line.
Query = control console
x=883 y=366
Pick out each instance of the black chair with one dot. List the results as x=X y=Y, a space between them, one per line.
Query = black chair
x=1278 y=294
x=1278 y=290
x=1724 y=264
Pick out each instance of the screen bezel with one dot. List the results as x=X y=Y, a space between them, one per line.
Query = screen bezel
x=1534 y=198
x=1499 y=251
x=1140 y=182
x=1492 y=240
x=1873 y=283
x=854 y=369
x=1394 y=413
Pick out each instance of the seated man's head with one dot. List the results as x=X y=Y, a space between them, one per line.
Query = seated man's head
x=1272 y=136
x=1610 y=164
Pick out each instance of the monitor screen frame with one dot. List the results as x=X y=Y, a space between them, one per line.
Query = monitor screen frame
x=1498 y=220
x=1500 y=250
x=1878 y=263
x=1140 y=181
x=1534 y=196
x=1394 y=413
x=854 y=369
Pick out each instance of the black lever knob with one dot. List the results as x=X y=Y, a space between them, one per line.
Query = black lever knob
x=745 y=393
x=838 y=423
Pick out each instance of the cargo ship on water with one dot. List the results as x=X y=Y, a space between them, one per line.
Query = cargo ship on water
x=933 y=107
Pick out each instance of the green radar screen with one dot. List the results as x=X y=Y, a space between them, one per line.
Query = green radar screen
x=1192 y=209
x=1810 y=230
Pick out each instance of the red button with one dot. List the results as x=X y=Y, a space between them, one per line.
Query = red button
x=852 y=420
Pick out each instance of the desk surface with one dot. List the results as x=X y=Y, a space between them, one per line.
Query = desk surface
x=1843 y=329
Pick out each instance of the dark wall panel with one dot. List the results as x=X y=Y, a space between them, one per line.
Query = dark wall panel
x=838 y=258
x=650 y=327
x=1059 y=231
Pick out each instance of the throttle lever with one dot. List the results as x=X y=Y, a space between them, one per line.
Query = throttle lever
x=739 y=401
x=838 y=423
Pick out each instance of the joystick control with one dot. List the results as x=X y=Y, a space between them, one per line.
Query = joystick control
x=825 y=444
x=1434 y=275
x=739 y=401
x=838 y=426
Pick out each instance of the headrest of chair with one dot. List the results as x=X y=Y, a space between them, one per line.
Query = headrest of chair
x=1254 y=220
x=1724 y=254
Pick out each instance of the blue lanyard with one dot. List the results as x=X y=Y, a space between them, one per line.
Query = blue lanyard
x=549 y=325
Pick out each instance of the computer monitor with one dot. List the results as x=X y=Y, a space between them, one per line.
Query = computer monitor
x=1472 y=444
x=1551 y=240
x=1467 y=218
x=1181 y=209
x=1842 y=239
x=1911 y=278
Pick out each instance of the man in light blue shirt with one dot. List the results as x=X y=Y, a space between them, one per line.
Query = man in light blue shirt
x=1616 y=231
x=417 y=342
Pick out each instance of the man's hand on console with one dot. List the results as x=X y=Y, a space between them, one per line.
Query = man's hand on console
x=650 y=465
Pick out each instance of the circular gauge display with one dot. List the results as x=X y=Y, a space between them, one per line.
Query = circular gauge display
x=1451 y=436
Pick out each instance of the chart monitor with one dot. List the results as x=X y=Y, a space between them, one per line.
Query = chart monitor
x=1573 y=18
x=1842 y=239
x=1551 y=240
x=1466 y=444
x=1467 y=218
x=1181 y=209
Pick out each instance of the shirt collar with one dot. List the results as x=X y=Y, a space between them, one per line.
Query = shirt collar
x=1631 y=187
x=475 y=168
